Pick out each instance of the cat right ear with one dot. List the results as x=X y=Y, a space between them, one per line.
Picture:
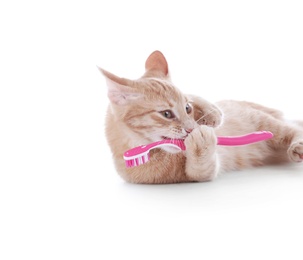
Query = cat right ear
x=120 y=90
x=156 y=65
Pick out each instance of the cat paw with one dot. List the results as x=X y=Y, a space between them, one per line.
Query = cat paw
x=295 y=151
x=200 y=141
x=211 y=118
x=205 y=113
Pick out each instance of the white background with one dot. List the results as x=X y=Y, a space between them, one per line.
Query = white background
x=60 y=197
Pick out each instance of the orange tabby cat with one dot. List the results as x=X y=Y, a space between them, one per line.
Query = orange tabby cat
x=151 y=108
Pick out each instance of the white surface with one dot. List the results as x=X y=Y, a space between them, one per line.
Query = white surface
x=60 y=197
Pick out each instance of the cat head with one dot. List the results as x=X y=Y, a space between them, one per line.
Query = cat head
x=152 y=108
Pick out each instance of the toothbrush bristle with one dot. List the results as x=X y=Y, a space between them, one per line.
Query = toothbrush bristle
x=137 y=161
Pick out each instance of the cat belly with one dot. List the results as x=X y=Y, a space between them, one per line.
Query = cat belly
x=242 y=117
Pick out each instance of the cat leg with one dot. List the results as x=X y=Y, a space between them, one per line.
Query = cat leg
x=295 y=151
x=201 y=159
x=287 y=137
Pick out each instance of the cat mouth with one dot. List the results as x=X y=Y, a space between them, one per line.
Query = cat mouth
x=175 y=138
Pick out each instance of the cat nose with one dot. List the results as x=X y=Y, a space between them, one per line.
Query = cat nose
x=188 y=130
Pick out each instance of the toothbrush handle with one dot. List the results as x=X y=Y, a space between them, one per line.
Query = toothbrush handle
x=244 y=139
x=222 y=140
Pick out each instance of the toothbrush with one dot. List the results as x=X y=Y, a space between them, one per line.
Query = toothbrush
x=140 y=154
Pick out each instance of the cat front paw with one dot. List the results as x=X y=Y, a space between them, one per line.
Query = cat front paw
x=211 y=117
x=201 y=159
x=205 y=113
x=200 y=141
x=295 y=151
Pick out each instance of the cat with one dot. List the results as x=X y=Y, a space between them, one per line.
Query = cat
x=152 y=108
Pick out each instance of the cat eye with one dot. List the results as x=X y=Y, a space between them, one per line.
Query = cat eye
x=168 y=114
x=188 y=108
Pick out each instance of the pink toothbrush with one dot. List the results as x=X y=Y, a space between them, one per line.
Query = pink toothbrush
x=140 y=155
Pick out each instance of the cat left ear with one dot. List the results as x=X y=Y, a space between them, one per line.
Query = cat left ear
x=120 y=90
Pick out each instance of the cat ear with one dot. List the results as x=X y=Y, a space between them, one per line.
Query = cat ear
x=120 y=90
x=156 y=64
